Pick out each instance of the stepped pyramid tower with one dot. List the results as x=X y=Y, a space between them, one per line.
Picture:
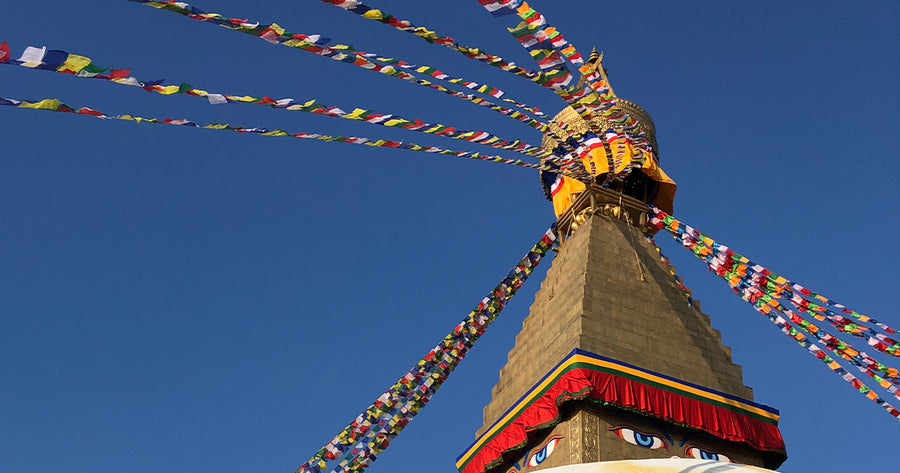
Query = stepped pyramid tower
x=615 y=362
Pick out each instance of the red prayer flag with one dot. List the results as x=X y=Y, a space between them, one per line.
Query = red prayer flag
x=89 y=111
x=4 y=51
x=118 y=73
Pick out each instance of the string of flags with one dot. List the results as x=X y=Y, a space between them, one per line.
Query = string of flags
x=357 y=7
x=316 y=44
x=481 y=88
x=547 y=58
x=81 y=66
x=367 y=12
x=765 y=291
x=740 y=270
x=364 y=11
x=547 y=46
x=55 y=105
x=356 y=446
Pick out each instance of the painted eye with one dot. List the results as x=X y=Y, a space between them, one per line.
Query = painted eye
x=640 y=439
x=698 y=452
x=542 y=453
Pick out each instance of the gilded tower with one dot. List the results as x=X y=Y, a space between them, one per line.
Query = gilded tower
x=614 y=362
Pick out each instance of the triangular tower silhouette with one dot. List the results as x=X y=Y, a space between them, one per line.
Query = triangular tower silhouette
x=614 y=362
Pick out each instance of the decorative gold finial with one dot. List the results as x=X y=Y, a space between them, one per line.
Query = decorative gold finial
x=594 y=56
x=597 y=59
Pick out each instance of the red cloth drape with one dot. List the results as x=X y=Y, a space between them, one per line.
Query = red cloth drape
x=586 y=383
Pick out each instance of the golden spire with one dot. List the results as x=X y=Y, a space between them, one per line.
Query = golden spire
x=597 y=60
x=594 y=55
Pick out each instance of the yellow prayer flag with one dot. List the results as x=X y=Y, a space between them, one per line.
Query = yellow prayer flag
x=73 y=64
x=356 y=114
x=46 y=104
x=374 y=14
x=522 y=25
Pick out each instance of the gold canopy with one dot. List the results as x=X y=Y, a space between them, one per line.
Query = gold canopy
x=566 y=189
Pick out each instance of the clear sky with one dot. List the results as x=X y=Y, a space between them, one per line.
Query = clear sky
x=182 y=300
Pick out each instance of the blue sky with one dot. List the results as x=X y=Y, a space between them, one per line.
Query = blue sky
x=182 y=300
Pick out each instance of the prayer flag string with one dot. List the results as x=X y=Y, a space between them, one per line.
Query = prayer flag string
x=551 y=80
x=525 y=118
x=81 y=66
x=763 y=289
x=275 y=34
x=364 y=11
x=742 y=271
x=555 y=38
x=355 y=447
x=55 y=105
x=742 y=274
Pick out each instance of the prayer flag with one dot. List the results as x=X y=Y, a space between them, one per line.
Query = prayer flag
x=4 y=51
x=53 y=59
x=32 y=57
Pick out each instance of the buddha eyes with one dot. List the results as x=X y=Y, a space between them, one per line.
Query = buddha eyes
x=541 y=454
x=651 y=441
x=639 y=438
x=697 y=452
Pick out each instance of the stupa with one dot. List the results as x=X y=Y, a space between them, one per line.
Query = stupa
x=614 y=366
